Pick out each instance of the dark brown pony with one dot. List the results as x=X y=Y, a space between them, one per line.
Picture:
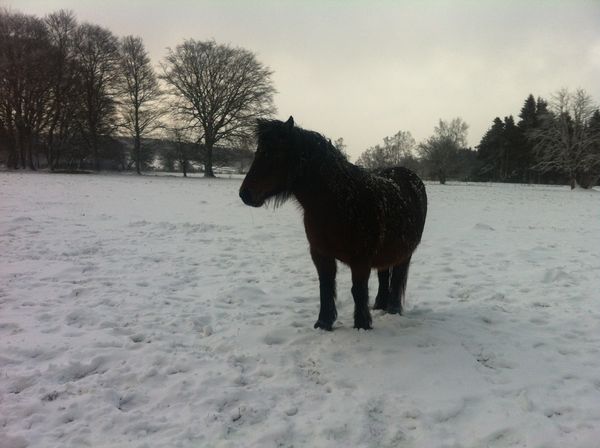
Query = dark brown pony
x=364 y=219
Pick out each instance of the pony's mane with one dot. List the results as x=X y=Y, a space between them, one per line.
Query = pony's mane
x=267 y=129
x=307 y=148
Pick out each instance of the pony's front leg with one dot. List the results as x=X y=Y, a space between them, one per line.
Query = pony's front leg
x=326 y=268
x=360 y=293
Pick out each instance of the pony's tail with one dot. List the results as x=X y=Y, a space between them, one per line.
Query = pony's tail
x=401 y=271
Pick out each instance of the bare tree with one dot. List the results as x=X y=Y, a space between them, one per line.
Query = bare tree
x=566 y=142
x=591 y=175
x=64 y=90
x=24 y=85
x=341 y=146
x=396 y=150
x=7 y=128
x=455 y=130
x=98 y=58
x=140 y=93
x=222 y=91
x=440 y=152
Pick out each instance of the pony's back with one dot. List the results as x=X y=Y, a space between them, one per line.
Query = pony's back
x=410 y=184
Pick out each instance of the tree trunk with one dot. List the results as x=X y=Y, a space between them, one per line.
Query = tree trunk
x=442 y=177
x=50 y=150
x=138 y=154
x=55 y=160
x=13 y=155
x=30 y=155
x=95 y=152
x=13 y=158
x=208 y=161
x=587 y=180
x=138 y=138
x=22 y=151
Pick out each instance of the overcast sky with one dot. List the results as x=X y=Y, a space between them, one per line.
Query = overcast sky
x=363 y=70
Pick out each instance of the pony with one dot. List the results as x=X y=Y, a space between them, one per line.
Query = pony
x=365 y=219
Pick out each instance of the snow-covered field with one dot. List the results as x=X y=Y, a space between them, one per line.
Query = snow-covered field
x=162 y=312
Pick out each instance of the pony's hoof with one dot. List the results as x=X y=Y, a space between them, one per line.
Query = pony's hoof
x=394 y=309
x=328 y=326
x=381 y=302
x=363 y=324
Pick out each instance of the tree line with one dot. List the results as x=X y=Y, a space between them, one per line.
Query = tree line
x=75 y=96
x=70 y=92
x=556 y=141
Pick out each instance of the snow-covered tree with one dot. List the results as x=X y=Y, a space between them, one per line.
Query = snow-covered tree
x=567 y=141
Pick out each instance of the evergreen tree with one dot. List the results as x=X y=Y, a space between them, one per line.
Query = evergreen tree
x=542 y=116
x=528 y=114
x=513 y=152
x=528 y=122
x=595 y=121
x=489 y=151
x=541 y=108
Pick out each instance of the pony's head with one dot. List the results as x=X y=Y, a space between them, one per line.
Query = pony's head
x=269 y=176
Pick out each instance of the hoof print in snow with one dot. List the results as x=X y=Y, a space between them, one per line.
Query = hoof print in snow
x=137 y=338
x=51 y=396
x=273 y=339
x=290 y=412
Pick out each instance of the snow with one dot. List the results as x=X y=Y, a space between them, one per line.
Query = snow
x=162 y=312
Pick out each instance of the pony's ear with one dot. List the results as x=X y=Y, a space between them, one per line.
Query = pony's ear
x=290 y=122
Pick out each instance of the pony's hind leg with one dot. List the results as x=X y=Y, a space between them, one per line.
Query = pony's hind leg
x=383 y=294
x=398 y=287
x=360 y=293
x=326 y=269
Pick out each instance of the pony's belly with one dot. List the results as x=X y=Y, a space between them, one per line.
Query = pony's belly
x=391 y=255
x=342 y=241
x=331 y=244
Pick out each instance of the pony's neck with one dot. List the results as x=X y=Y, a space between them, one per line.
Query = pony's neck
x=317 y=180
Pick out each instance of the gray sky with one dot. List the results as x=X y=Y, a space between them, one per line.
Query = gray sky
x=363 y=70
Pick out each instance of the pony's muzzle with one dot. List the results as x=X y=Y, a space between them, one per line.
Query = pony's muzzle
x=246 y=196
